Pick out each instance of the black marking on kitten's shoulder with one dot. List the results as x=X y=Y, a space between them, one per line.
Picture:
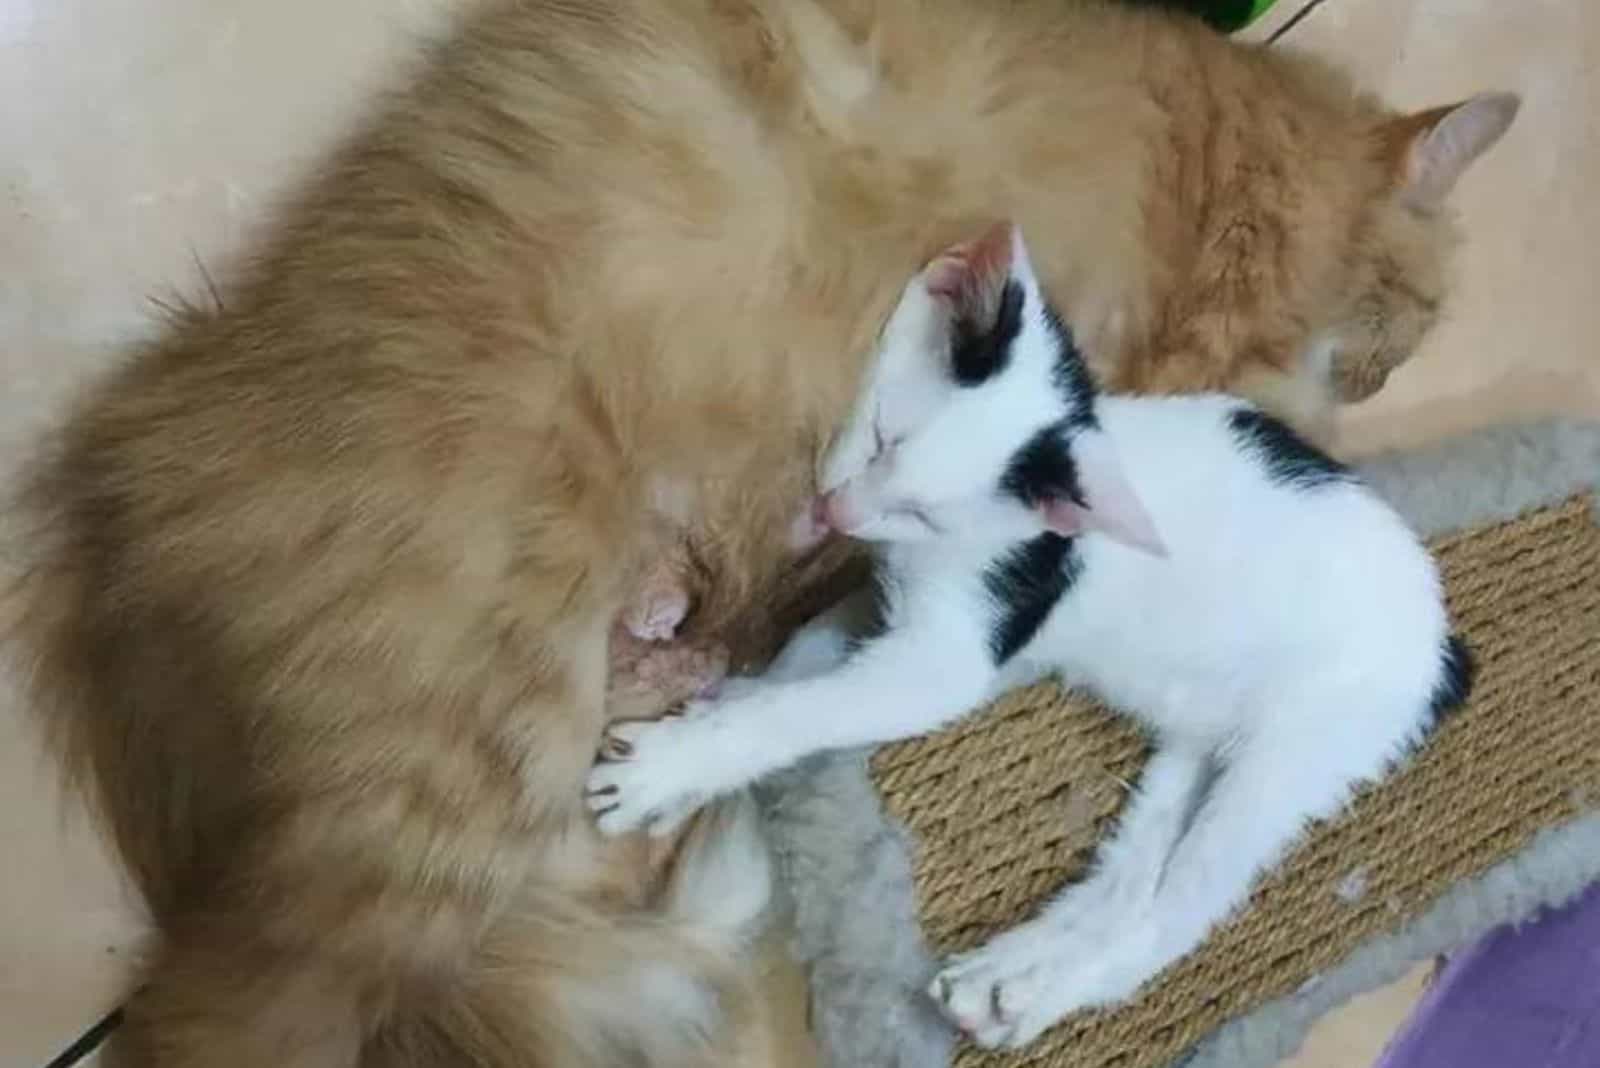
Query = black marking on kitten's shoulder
x=1025 y=585
x=1289 y=459
x=1458 y=671
x=977 y=355
x=1070 y=374
x=1043 y=470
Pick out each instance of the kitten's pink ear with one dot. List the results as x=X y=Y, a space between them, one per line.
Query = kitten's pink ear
x=1110 y=505
x=971 y=275
x=1433 y=149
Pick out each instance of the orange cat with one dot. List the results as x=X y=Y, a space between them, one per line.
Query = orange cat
x=324 y=581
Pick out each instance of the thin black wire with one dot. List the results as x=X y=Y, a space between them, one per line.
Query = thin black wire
x=89 y=1041
x=1295 y=20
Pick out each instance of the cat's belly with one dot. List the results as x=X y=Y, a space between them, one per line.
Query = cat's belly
x=1178 y=672
x=1193 y=703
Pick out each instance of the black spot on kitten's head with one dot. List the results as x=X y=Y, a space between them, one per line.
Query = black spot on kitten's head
x=1288 y=459
x=978 y=352
x=1070 y=374
x=1043 y=470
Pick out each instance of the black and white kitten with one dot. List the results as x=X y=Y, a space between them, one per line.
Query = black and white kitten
x=1277 y=628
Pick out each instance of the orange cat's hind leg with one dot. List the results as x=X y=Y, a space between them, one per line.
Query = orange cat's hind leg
x=659 y=603
x=651 y=669
x=215 y=1001
x=648 y=677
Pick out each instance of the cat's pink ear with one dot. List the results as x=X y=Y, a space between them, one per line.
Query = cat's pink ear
x=1433 y=149
x=1110 y=505
x=971 y=275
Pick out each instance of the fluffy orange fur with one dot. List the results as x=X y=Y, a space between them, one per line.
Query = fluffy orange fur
x=323 y=583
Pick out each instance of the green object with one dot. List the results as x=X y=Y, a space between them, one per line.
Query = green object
x=1225 y=15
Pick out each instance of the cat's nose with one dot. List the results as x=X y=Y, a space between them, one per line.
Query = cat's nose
x=832 y=511
x=819 y=510
x=807 y=531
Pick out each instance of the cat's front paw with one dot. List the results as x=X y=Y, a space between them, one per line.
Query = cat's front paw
x=650 y=773
x=998 y=995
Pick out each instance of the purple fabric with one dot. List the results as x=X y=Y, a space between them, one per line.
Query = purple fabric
x=1523 y=997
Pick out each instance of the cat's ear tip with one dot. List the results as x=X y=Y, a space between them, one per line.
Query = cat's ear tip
x=992 y=249
x=946 y=276
x=1000 y=232
x=1503 y=104
x=1506 y=100
x=956 y=272
x=1152 y=545
x=1493 y=112
x=1433 y=148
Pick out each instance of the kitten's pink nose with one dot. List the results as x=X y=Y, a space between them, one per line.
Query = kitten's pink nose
x=832 y=511
x=807 y=531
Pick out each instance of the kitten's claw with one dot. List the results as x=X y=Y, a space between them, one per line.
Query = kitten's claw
x=657 y=781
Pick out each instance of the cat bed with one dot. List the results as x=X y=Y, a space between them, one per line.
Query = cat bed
x=935 y=844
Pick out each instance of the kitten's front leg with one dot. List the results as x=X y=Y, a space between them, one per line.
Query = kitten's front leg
x=888 y=690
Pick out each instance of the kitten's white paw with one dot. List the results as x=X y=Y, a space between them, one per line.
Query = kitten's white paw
x=999 y=995
x=650 y=774
x=1010 y=991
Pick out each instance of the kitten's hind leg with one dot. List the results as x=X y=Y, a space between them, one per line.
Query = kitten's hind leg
x=996 y=994
x=1255 y=809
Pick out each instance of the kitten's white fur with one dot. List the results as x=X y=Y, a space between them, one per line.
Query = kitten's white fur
x=1286 y=647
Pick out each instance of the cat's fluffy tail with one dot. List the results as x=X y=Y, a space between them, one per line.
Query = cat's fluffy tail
x=560 y=986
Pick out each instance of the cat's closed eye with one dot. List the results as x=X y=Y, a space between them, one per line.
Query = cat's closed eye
x=881 y=442
x=913 y=511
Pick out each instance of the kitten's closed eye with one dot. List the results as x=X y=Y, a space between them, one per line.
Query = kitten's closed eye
x=910 y=510
x=882 y=443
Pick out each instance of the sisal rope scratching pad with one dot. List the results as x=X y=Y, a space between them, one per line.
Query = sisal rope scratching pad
x=1008 y=806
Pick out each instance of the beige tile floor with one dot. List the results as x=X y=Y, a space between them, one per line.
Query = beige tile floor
x=142 y=136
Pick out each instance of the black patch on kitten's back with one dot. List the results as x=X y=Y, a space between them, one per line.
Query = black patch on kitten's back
x=1289 y=459
x=1457 y=672
x=978 y=355
x=1025 y=585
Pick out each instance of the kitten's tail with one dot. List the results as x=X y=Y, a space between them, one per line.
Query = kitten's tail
x=560 y=986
